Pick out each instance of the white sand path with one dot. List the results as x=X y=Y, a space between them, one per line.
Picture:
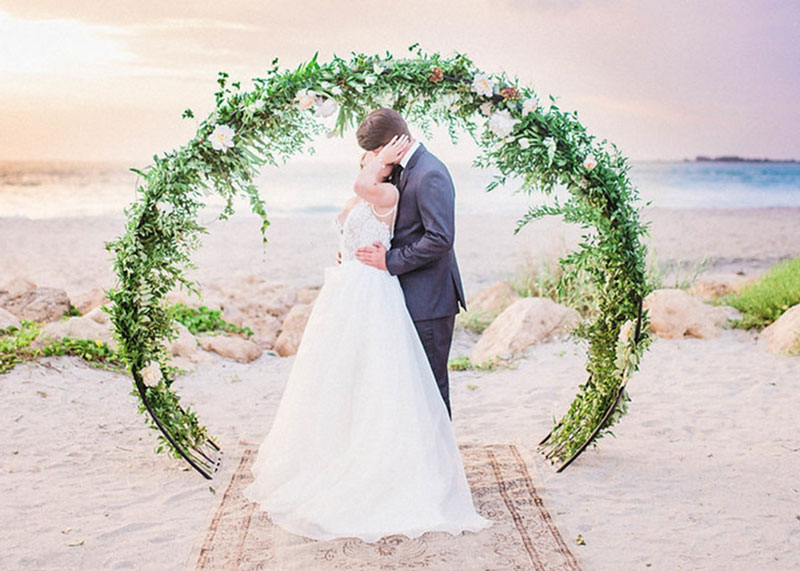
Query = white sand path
x=703 y=473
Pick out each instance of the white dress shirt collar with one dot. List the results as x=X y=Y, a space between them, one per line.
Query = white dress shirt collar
x=407 y=157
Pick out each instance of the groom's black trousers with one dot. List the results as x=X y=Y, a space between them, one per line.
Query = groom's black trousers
x=437 y=336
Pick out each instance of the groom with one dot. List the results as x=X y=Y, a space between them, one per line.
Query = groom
x=422 y=253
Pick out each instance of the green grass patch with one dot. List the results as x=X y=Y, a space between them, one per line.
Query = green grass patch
x=203 y=319
x=796 y=349
x=684 y=274
x=475 y=321
x=463 y=363
x=549 y=279
x=71 y=312
x=15 y=348
x=765 y=300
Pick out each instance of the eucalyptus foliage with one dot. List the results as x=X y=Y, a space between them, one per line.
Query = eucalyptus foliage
x=525 y=139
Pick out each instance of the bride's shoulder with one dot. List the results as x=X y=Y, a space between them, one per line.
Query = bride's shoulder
x=348 y=206
x=351 y=202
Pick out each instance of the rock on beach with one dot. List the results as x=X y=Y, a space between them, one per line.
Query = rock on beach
x=526 y=322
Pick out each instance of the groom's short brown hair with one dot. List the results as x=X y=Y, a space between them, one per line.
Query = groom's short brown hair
x=379 y=127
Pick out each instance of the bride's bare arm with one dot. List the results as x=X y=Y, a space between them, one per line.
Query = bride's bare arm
x=370 y=185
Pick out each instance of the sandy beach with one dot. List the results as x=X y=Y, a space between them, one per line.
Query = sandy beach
x=702 y=474
x=69 y=252
x=686 y=110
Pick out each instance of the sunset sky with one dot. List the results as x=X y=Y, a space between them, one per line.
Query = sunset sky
x=88 y=80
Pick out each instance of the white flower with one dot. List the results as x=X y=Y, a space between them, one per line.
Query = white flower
x=385 y=99
x=482 y=85
x=625 y=331
x=530 y=106
x=486 y=108
x=358 y=88
x=336 y=90
x=370 y=80
x=151 y=374
x=377 y=69
x=589 y=162
x=501 y=123
x=524 y=143
x=326 y=107
x=550 y=144
x=304 y=99
x=222 y=138
x=448 y=100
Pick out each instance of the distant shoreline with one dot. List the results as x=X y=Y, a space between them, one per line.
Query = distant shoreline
x=737 y=159
x=122 y=165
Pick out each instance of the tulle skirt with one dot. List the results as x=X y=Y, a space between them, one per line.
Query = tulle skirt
x=361 y=444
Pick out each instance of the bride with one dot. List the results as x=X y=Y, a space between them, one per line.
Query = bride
x=362 y=444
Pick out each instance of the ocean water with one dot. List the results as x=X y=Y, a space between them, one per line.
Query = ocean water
x=718 y=184
x=47 y=190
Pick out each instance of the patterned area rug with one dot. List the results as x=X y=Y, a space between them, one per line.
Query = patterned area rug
x=523 y=536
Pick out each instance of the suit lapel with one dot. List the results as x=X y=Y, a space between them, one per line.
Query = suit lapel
x=411 y=164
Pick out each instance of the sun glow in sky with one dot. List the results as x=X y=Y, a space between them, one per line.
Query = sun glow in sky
x=57 y=47
x=84 y=80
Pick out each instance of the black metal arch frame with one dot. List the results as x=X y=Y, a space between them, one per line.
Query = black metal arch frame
x=206 y=458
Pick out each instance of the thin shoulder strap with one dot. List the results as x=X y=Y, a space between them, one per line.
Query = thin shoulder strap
x=392 y=209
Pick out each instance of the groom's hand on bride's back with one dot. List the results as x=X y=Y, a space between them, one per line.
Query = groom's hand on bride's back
x=374 y=256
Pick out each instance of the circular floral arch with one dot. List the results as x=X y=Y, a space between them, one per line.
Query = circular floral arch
x=517 y=134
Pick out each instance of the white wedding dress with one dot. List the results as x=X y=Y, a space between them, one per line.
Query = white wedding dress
x=361 y=444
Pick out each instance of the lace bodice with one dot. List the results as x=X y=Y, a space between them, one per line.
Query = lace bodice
x=361 y=228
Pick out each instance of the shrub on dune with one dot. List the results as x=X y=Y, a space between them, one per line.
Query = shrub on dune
x=765 y=300
x=548 y=279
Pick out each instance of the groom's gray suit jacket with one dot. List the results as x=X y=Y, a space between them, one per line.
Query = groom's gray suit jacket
x=422 y=255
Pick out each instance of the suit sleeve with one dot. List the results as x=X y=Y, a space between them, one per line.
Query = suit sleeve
x=436 y=203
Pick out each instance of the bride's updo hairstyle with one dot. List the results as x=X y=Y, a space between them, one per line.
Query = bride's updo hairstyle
x=379 y=127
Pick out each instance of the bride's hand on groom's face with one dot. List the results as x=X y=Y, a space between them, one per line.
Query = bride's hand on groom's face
x=393 y=151
x=374 y=256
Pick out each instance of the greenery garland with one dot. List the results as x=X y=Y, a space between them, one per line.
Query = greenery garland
x=522 y=137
